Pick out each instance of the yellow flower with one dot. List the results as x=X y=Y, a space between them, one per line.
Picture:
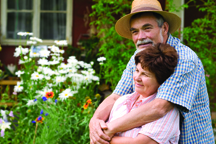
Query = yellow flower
x=97 y=95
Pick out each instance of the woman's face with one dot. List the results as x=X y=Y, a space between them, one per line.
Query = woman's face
x=145 y=81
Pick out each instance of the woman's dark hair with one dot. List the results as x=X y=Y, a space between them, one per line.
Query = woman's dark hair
x=160 y=59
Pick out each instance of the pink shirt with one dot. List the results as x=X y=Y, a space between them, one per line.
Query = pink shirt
x=164 y=130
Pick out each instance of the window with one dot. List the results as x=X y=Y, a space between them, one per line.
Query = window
x=47 y=19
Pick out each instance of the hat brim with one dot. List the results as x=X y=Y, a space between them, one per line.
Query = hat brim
x=122 y=26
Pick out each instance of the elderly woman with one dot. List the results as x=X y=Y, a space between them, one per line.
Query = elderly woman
x=154 y=65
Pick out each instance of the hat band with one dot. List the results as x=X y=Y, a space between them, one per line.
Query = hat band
x=144 y=8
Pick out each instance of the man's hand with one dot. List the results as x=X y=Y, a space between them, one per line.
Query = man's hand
x=97 y=135
x=108 y=131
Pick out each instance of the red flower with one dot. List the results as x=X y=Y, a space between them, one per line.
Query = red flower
x=49 y=94
x=85 y=106
x=89 y=101
x=39 y=119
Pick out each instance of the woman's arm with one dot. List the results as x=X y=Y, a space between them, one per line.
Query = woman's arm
x=140 y=139
x=144 y=114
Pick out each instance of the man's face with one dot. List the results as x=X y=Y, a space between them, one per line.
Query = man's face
x=145 y=31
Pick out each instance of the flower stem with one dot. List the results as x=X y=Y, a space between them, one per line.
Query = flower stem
x=35 y=132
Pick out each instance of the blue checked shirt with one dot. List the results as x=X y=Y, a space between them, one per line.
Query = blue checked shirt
x=186 y=88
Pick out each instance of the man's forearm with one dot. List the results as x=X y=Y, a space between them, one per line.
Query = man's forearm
x=105 y=107
x=144 y=114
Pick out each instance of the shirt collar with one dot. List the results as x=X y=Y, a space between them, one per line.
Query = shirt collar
x=131 y=102
x=173 y=41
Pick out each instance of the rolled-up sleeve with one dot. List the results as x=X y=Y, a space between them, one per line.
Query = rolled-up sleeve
x=182 y=86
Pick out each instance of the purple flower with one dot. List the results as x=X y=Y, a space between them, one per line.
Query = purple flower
x=39 y=118
x=33 y=121
x=14 y=93
x=11 y=114
x=44 y=98
x=41 y=112
x=56 y=101
x=2 y=133
x=46 y=114
x=35 y=100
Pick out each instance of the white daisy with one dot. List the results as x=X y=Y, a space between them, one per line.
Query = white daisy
x=44 y=53
x=61 y=42
x=18 y=87
x=54 y=48
x=19 y=73
x=81 y=63
x=66 y=93
x=36 y=39
x=101 y=59
x=4 y=125
x=36 y=76
x=31 y=42
x=31 y=102
x=61 y=51
x=54 y=62
x=24 y=33
x=47 y=77
x=43 y=62
x=72 y=70
x=21 y=33
x=72 y=60
x=87 y=65
x=55 y=54
x=34 y=54
x=19 y=50
x=60 y=79
x=22 y=62
x=47 y=71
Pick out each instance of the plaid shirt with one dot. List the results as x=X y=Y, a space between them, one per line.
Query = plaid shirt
x=186 y=88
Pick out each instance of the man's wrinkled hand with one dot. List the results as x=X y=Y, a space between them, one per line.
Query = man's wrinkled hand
x=97 y=135
x=108 y=130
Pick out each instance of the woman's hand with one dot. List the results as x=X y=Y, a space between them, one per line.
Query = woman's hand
x=97 y=136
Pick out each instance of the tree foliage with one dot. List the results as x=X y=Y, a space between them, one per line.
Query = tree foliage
x=201 y=37
x=115 y=48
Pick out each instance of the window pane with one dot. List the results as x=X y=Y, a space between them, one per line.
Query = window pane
x=18 y=22
x=53 y=26
x=53 y=5
x=19 y=4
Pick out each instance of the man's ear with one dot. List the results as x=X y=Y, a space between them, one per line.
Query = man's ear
x=165 y=28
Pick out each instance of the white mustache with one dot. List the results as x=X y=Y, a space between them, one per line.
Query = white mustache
x=143 y=42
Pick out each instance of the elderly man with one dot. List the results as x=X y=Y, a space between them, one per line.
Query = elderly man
x=146 y=25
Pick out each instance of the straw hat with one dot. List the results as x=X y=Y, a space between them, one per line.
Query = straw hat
x=122 y=26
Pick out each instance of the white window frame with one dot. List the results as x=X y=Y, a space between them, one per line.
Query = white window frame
x=35 y=24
